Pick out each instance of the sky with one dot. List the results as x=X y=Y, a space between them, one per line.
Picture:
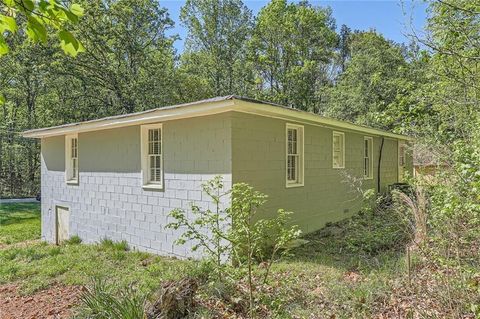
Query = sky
x=392 y=18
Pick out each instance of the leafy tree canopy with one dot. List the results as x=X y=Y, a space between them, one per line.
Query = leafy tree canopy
x=35 y=18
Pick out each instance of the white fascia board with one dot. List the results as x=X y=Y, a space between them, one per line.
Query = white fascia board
x=310 y=118
x=155 y=116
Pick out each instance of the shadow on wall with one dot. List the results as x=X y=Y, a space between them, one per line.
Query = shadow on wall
x=190 y=146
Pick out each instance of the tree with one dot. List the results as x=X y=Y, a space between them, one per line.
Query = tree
x=376 y=76
x=215 y=54
x=35 y=18
x=24 y=74
x=292 y=52
x=344 y=47
x=128 y=64
x=454 y=79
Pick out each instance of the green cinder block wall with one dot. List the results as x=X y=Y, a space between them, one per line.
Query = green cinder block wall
x=328 y=194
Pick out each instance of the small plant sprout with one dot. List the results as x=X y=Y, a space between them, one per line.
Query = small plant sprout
x=206 y=228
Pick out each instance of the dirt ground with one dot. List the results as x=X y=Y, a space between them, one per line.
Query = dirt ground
x=53 y=303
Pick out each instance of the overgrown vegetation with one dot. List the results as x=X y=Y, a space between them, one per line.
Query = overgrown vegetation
x=233 y=239
x=356 y=268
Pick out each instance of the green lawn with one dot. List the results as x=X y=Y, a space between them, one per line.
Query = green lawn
x=19 y=222
x=40 y=265
x=37 y=265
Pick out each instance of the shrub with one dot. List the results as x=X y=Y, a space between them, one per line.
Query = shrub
x=208 y=228
x=377 y=228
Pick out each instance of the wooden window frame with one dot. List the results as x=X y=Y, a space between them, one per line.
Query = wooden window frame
x=300 y=155
x=342 y=149
x=146 y=171
x=71 y=159
x=401 y=160
x=369 y=140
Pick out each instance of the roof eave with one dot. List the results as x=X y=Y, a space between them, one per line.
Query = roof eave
x=208 y=107
x=201 y=108
x=271 y=110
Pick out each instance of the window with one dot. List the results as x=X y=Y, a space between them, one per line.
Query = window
x=401 y=154
x=338 y=150
x=367 y=158
x=401 y=161
x=71 y=159
x=294 y=158
x=152 y=156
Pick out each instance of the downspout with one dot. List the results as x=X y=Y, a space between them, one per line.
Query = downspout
x=379 y=165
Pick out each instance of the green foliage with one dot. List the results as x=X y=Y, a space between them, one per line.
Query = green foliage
x=36 y=266
x=208 y=229
x=377 y=83
x=292 y=47
x=129 y=65
x=35 y=18
x=101 y=302
x=235 y=233
x=216 y=51
x=379 y=228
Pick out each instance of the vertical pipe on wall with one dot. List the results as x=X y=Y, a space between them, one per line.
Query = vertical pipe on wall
x=379 y=165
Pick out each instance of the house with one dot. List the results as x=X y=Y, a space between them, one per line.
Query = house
x=120 y=176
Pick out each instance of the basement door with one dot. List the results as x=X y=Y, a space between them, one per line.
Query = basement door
x=62 y=222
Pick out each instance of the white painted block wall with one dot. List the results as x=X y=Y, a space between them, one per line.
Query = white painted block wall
x=109 y=201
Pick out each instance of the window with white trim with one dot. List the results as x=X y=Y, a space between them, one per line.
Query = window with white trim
x=401 y=161
x=401 y=154
x=338 y=150
x=71 y=158
x=368 y=157
x=294 y=160
x=152 y=155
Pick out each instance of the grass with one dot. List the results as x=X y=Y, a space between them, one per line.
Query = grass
x=342 y=271
x=38 y=265
x=312 y=280
x=353 y=269
x=19 y=222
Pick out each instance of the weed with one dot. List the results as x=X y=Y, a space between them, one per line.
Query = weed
x=74 y=240
x=100 y=301
x=107 y=243
x=54 y=251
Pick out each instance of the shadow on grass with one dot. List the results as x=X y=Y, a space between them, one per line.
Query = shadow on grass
x=16 y=213
x=367 y=241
